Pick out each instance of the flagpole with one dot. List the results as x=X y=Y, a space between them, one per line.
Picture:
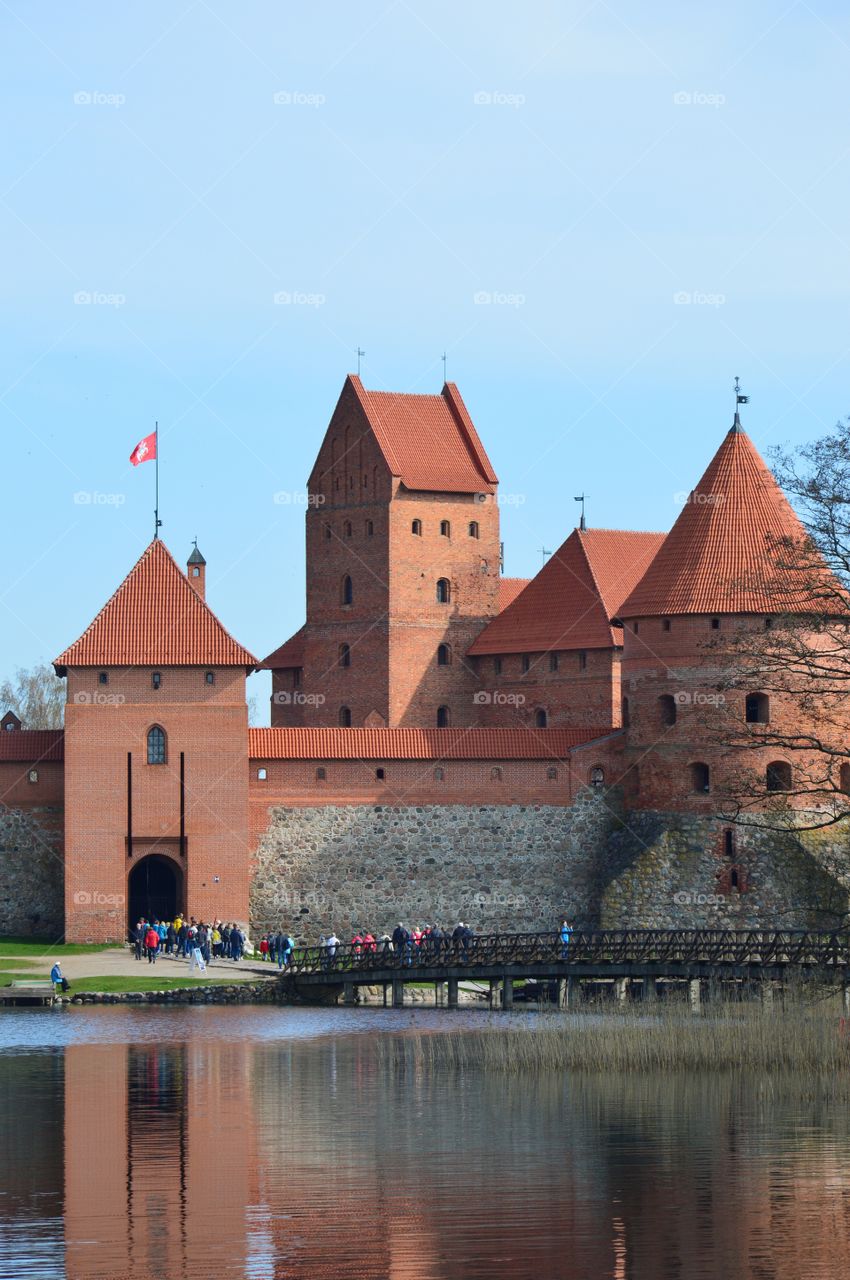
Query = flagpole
x=156 y=520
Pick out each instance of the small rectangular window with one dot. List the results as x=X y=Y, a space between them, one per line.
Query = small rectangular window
x=261 y=775
x=553 y=662
x=379 y=774
x=210 y=677
x=33 y=775
x=526 y=662
x=156 y=679
x=497 y=666
x=665 y=624
x=103 y=677
x=582 y=660
x=715 y=624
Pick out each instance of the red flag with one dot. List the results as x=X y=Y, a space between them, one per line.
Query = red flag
x=145 y=450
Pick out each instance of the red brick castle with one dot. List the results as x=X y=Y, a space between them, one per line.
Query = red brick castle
x=442 y=738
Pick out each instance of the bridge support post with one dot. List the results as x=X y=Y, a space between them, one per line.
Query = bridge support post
x=695 y=995
x=398 y=993
x=569 y=992
x=452 y=984
x=349 y=993
x=495 y=994
x=621 y=990
x=650 y=991
x=507 y=993
x=767 y=994
x=439 y=994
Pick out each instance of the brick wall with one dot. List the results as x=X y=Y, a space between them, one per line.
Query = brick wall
x=208 y=723
x=582 y=688
x=31 y=871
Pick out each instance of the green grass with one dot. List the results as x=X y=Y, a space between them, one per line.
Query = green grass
x=43 y=946
x=112 y=985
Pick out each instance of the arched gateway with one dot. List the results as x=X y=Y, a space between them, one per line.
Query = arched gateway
x=154 y=889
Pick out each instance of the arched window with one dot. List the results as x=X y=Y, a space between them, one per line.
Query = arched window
x=444 y=717
x=345 y=717
x=262 y=775
x=541 y=719
x=445 y=529
x=444 y=591
x=597 y=776
x=700 y=777
x=626 y=717
x=729 y=842
x=474 y=531
x=778 y=776
x=156 y=679
x=416 y=527
x=370 y=528
x=156 y=745
x=551 y=774
x=346 y=528
x=321 y=773
x=444 y=655
x=33 y=775
x=496 y=774
x=844 y=779
x=347 y=590
x=439 y=774
x=667 y=708
x=757 y=708
x=345 y=655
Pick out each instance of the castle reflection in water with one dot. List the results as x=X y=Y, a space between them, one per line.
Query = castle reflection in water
x=348 y=1157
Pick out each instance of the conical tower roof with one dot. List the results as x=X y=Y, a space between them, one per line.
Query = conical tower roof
x=721 y=554
x=155 y=618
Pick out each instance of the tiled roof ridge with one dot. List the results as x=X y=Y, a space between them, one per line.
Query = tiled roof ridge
x=403 y=743
x=32 y=746
x=193 y=600
x=453 y=398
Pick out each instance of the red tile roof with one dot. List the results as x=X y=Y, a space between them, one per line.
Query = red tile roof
x=289 y=654
x=416 y=744
x=32 y=746
x=429 y=442
x=719 y=557
x=509 y=589
x=155 y=618
x=572 y=599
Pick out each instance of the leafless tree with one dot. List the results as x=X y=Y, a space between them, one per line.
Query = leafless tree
x=37 y=697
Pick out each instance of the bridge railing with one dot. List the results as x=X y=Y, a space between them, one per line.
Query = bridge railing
x=597 y=947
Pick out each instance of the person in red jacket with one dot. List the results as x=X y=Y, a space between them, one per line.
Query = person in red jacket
x=152 y=944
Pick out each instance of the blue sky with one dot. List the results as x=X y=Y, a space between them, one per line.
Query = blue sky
x=650 y=199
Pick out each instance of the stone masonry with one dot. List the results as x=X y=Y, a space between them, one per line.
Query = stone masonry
x=31 y=872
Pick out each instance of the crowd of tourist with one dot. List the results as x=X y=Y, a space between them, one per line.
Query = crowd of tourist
x=180 y=938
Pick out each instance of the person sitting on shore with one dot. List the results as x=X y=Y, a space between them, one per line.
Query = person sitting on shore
x=56 y=977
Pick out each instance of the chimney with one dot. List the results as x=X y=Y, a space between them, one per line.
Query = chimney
x=196 y=568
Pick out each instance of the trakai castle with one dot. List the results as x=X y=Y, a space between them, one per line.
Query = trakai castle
x=445 y=742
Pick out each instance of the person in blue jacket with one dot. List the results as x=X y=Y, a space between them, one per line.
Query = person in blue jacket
x=565 y=934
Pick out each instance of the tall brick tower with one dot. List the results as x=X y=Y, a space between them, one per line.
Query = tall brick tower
x=402 y=566
x=156 y=758
x=715 y=574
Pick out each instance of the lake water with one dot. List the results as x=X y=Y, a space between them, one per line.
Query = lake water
x=268 y=1143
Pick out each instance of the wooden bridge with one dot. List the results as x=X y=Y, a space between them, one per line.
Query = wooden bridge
x=628 y=961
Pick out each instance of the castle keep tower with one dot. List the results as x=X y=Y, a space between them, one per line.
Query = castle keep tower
x=156 y=758
x=402 y=567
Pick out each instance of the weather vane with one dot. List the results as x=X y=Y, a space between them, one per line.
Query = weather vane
x=443 y=358
x=580 y=498
x=360 y=355
x=739 y=399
